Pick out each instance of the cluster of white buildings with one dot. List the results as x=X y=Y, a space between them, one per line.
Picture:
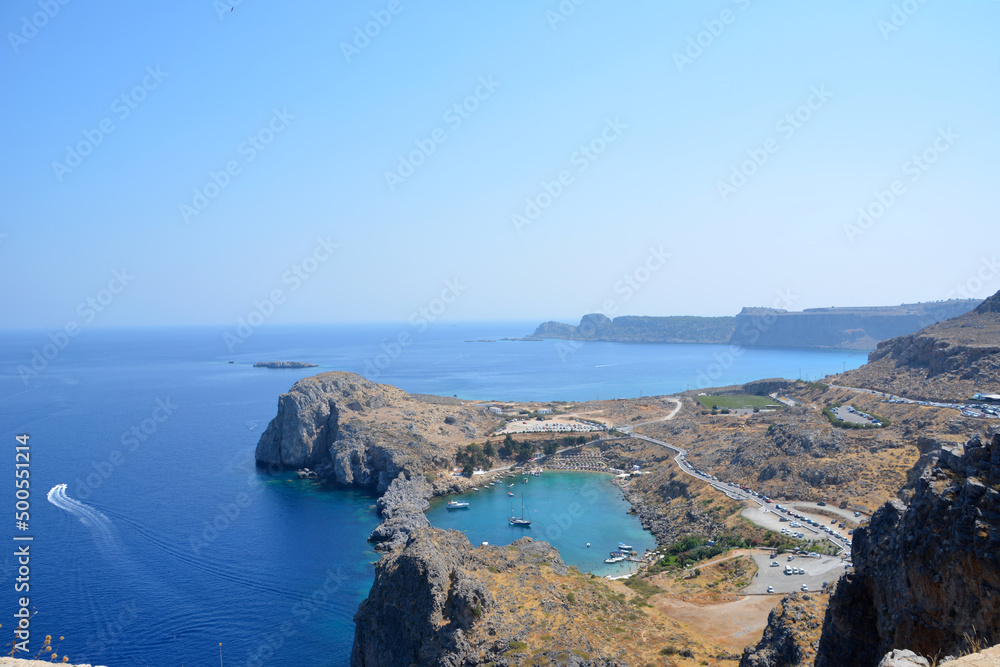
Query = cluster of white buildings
x=534 y=426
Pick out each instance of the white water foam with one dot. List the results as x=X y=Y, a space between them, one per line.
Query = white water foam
x=87 y=515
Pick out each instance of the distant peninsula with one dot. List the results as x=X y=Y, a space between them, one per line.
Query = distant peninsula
x=853 y=328
x=283 y=364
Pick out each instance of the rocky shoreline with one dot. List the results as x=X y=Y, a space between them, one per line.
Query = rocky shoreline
x=401 y=509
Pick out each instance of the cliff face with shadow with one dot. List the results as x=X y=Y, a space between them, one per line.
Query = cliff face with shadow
x=364 y=434
x=927 y=575
x=848 y=328
x=440 y=601
x=358 y=433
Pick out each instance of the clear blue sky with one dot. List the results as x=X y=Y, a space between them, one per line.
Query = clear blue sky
x=679 y=127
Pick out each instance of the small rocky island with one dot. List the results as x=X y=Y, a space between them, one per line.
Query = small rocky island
x=283 y=364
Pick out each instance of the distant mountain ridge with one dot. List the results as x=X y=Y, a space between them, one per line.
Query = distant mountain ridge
x=859 y=328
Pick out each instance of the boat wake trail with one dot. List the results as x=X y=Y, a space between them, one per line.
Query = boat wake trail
x=87 y=515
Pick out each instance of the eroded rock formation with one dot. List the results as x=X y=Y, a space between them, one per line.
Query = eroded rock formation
x=927 y=574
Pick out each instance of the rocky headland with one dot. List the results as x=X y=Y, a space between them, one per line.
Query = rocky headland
x=859 y=328
x=353 y=432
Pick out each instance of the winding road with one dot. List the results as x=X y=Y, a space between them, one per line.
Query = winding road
x=763 y=514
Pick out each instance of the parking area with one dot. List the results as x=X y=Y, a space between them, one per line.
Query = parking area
x=772 y=521
x=816 y=571
x=852 y=416
x=798 y=524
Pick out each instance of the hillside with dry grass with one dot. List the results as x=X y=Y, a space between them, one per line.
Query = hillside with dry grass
x=796 y=453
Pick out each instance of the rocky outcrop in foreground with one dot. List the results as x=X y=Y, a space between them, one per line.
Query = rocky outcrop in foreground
x=927 y=575
x=440 y=601
x=790 y=636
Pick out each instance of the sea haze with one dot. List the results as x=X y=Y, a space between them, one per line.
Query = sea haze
x=167 y=541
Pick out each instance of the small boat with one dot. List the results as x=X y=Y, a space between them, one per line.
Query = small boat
x=510 y=485
x=510 y=493
x=614 y=559
x=456 y=505
x=624 y=547
x=514 y=521
x=588 y=545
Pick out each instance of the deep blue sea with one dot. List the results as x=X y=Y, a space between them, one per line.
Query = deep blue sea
x=166 y=541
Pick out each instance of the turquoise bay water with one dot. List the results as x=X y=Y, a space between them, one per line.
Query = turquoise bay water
x=567 y=509
x=169 y=541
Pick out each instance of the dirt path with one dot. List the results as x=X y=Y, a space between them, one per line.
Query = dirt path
x=733 y=624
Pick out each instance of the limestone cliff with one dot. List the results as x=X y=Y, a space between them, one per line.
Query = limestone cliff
x=639 y=329
x=359 y=433
x=927 y=575
x=950 y=360
x=851 y=328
